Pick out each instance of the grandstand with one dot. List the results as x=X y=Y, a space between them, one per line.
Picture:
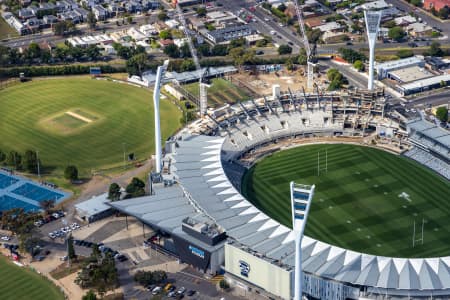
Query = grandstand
x=431 y=145
x=19 y=192
x=203 y=181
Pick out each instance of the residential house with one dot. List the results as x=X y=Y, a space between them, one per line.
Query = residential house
x=150 y=4
x=172 y=23
x=196 y=23
x=330 y=26
x=374 y=5
x=33 y=24
x=26 y=13
x=49 y=20
x=100 y=12
x=437 y=4
x=405 y=20
x=165 y=43
x=15 y=23
x=383 y=33
x=133 y=6
x=229 y=33
x=180 y=42
x=419 y=29
x=330 y=37
x=136 y=34
x=148 y=30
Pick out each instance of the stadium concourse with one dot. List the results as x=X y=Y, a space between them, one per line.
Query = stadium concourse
x=200 y=203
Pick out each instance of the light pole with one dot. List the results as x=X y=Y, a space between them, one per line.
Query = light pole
x=301 y=197
x=123 y=149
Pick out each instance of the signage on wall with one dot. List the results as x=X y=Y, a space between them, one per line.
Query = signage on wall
x=197 y=252
x=245 y=268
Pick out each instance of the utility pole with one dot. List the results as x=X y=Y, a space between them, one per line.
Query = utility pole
x=38 y=166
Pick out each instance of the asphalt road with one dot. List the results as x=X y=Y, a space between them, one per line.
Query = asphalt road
x=435 y=99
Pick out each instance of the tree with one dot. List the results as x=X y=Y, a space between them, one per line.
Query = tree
x=162 y=16
x=47 y=205
x=114 y=192
x=359 y=65
x=444 y=12
x=201 y=11
x=172 y=51
x=284 y=49
x=14 y=159
x=416 y=2
x=289 y=64
x=91 y=20
x=442 y=113
x=130 y=20
x=90 y=295
x=135 y=188
x=70 y=249
x=33 y=51
x=396 y=33
x=92 y=52
x=64 y=27
x=203 y=49
x=239 y=56
x=224 y=284
x=351 y=55
x=30 y=161
x=137 y=64
x=435 y=49
x=219 y=50
x=404 y=53
x=165 y=34
x=71 y=173
x=336 y=79
x=187 y=65
x=302 y=57
x=185 y=51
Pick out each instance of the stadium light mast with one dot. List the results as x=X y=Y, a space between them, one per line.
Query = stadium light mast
x=372 y=19
x=301 y=197
x=156 y=96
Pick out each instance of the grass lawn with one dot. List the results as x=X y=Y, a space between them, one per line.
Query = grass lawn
x=220 y=91
x=6 y=31
x=81 y=121
x=23 y=284
x=366 y=202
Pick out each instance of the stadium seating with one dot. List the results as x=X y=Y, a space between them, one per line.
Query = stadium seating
x=429 y=160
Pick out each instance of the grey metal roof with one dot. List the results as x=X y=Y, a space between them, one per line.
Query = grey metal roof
x=260 y=233
x=202 y=182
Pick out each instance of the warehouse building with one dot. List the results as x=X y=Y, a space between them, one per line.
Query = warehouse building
x=385 y=68
x=424 y=84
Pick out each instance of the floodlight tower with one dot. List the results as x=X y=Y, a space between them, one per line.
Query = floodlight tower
x=372 y=19
x=301 y=197
x=156 y=94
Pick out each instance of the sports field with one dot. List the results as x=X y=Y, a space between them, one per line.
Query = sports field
x=22 y=284
x=367 y=201
x=220 y=91
x=81 y=121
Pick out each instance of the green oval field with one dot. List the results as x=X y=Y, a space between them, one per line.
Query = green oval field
x=23 y=284
x=81 y=121
x=367 y=201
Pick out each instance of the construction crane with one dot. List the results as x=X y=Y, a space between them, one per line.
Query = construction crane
x=203 y=101
x=309 y=51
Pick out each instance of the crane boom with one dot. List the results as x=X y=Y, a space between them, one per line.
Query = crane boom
x=309 y=53
x=202 y=86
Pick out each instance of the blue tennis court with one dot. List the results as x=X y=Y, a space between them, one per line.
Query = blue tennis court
x=6 y=181
x=7 y=202
x=37 y=193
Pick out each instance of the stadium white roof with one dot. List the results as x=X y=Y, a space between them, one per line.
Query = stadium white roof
x=204 y=190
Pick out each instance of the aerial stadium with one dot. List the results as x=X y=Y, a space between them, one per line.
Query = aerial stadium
x=377 y=227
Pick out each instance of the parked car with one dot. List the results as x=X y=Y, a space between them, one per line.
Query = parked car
x=191 y=293
x=6 y=238
x=156 y=290
x=181 y=290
